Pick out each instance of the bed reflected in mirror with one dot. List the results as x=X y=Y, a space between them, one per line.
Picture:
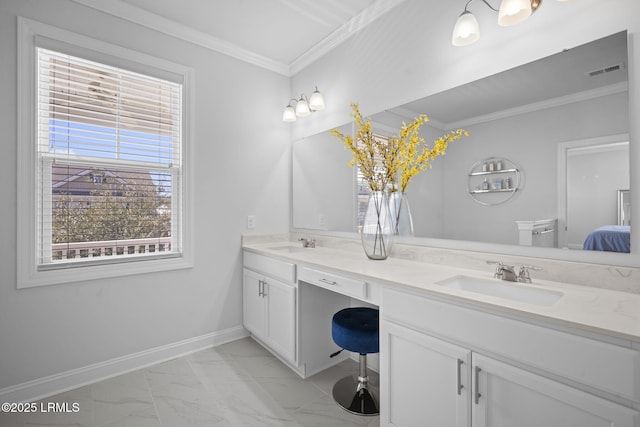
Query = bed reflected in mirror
x=614 y=238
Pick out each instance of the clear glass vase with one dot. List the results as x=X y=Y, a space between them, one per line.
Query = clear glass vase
x=400 y=214
x=377 y=229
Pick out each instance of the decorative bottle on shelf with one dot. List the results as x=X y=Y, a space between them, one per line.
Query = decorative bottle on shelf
x=485 y=184
x=507 y=183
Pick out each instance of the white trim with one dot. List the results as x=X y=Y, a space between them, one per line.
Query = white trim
x=130 y=13
x=542 y=105
x=58 y=383
x=26 y=206
x=379 y=128
x=123 y=10
x=339 y=36
x=409 y=115
x=27 y=241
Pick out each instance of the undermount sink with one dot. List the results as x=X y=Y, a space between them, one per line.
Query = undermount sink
x=290 y=249
x=513 y=291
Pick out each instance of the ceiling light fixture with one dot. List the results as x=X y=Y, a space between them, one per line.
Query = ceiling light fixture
x=510 y=12
x=303 y=106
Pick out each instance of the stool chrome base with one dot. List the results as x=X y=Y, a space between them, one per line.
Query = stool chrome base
x=353 y=395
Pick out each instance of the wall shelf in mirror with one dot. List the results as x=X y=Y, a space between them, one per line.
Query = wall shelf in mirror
x=493 y=180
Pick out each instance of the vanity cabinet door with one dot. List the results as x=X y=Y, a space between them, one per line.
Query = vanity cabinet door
x=506 y=396
x=269 y=312
x=423 y=381
x=253 y=304
x=281 y=317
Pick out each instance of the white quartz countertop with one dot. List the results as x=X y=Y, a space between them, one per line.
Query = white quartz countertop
x=613 y=313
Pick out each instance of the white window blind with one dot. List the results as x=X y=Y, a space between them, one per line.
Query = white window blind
x=109 y=145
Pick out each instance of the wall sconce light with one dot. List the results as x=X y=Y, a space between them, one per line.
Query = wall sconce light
x=510 y=12
x=303 y=106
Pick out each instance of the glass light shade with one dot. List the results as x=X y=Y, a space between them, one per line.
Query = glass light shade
x=466 y=30
x=316 y=102
x=302 y=108
x=289 y=114
x=513 y=12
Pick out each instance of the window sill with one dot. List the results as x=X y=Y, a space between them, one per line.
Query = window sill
x=32 y=277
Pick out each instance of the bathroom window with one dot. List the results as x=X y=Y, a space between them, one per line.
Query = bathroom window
x=106 y=161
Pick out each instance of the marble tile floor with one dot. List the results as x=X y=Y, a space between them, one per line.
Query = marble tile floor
x=235 y=384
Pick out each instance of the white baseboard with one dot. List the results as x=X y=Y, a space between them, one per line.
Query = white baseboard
x=58 y=383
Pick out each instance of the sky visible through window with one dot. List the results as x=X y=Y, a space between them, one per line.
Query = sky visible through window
x=92 y=141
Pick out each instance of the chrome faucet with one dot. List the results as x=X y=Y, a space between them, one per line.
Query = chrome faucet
x=523 y=275
x=508 y=272
x=307 y=243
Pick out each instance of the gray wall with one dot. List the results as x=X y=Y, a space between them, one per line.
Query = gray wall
x=241 y=167
x=242 y=161
x=323 y=184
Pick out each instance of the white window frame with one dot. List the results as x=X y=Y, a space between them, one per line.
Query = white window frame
x=32 y=34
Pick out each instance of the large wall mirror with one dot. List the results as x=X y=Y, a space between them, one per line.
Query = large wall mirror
x=563 y=120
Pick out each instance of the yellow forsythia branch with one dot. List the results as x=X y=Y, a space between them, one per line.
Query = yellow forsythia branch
x=398 y=154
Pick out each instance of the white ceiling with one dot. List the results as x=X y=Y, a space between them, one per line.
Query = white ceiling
x=287 y=35
x=279 y=29
x=283 y=35
x=555 y=80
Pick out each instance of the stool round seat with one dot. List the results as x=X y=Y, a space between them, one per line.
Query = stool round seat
x=356 y=329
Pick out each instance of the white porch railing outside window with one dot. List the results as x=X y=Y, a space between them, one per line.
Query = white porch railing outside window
x=64 y=251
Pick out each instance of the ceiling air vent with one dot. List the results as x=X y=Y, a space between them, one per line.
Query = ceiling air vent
x=605 y=70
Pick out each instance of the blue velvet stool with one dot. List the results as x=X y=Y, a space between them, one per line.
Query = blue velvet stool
x=356 y=329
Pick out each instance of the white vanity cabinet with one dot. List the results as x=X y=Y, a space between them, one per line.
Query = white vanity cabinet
x=504 y=395
x=451 y=360
x=426 y=380
x=288 y=307
x=443 y=364
x=269 y=303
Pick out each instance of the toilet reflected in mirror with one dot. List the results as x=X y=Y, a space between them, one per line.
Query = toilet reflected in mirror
x=541 y=233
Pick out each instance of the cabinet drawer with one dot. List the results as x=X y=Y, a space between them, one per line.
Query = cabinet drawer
x=270 y=266
x=611 y=368
x=336 y=283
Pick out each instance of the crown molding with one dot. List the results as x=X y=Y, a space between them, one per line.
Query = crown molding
x=377 y=127
x=339 y=36
x=123 y=10
x=542 y=105
x=410 y=115
x=158 y=23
